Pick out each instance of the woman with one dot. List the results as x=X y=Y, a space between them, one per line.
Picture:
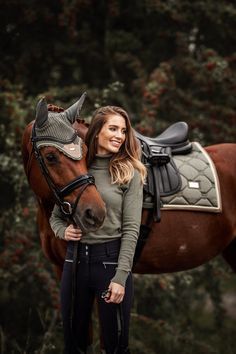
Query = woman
x=105 y=256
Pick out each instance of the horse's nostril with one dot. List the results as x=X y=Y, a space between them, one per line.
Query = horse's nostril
x=89 y=214
x=93 y=218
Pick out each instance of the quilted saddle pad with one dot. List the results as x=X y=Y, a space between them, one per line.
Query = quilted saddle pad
x=200 y=190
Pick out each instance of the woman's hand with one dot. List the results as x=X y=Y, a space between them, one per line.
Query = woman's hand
x=117 y=293
x=73 y=233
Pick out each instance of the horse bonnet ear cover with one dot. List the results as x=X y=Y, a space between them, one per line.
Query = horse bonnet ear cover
x=56 y=129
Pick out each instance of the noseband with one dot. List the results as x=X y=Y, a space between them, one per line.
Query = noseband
x=67 y=208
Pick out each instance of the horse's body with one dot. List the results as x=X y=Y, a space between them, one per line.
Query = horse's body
x=181 y=241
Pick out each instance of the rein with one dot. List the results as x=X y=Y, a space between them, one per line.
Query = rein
x=67 y=208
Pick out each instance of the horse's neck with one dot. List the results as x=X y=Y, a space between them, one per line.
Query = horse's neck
x=26 y=148
x=46 y=206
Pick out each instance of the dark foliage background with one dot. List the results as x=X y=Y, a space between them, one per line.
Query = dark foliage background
x=163 y=61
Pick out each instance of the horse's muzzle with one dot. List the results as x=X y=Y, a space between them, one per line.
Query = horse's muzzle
x=89 y=219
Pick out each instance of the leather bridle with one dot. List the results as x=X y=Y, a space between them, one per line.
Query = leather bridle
x=83 y=181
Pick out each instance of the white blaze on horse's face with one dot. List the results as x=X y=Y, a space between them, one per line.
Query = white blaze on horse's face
x=112 y=135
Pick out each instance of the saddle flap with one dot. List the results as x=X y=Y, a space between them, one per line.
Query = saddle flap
x=162 y=180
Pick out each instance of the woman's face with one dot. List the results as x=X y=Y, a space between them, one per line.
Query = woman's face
x=112 y=135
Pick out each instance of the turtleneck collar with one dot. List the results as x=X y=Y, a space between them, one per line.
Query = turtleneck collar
x=101 y=161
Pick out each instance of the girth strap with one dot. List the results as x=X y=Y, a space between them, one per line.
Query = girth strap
x=157 y=204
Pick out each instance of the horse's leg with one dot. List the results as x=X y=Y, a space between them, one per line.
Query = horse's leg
x=229 y=254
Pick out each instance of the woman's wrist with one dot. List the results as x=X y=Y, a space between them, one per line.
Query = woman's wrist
x=120 y=277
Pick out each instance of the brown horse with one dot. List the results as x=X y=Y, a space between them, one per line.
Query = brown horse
x=181 y=241
x=65 y=179
x=187 y=239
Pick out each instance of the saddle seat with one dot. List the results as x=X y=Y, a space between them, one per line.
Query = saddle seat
x=175 y=137
x=163 y=178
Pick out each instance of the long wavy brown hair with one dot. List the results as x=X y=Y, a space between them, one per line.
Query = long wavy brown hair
x=122 y=163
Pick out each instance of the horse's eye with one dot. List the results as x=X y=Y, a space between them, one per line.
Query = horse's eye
x=51 y=158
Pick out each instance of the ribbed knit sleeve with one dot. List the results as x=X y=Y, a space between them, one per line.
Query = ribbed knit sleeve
x=58 y=223
x=131 y=219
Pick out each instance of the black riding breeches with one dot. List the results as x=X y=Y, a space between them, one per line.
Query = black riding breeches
x=95 y=269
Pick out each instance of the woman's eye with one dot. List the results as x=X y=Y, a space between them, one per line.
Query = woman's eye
x=51 y=158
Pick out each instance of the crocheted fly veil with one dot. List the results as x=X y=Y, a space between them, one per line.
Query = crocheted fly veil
x=55 y=129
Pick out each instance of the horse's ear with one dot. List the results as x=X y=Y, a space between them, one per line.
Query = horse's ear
x=80 y=103
x=74 y=111
x=41 y=113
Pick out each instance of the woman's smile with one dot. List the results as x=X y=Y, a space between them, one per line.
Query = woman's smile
x=116 y=143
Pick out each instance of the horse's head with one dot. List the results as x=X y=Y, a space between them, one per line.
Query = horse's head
x=61 y=156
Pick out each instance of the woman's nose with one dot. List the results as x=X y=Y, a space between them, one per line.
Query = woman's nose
x=119 y=134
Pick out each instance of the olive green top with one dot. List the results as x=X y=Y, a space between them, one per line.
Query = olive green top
x=123 y=217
